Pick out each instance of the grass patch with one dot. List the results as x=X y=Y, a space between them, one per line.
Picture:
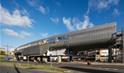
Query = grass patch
x=41 y=67
x=2 y=58
x=47 y=68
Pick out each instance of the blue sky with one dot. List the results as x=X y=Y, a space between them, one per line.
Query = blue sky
x=23 y=21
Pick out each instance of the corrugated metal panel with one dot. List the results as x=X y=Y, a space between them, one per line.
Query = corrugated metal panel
x=43 y=49
x=95 y=35
x=89 y=36
x=34 y=50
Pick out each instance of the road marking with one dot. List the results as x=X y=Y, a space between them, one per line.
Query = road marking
x=115 y=69
x=67 y=71
x=107 y=68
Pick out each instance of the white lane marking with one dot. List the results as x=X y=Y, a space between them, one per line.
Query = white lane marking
x=106 y=68
x=67 y=71
x=115 y=69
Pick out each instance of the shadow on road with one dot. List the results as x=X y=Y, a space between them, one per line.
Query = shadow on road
x=87 y=70
x=17 y=70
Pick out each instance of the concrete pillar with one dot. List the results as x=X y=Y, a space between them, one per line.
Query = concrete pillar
x=28 y=58
x=44 y=59
x=39 y=59
x=59 y=59
x=25 y=58
x=34 y=59
x=68 y=52
x=110 y=54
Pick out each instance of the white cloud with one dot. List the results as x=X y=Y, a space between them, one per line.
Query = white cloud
x=42 y=9
x=31 y=2
x=10 y=32
x=38 y=6
x=85 y=24
x=116 y=12
x=44 y=35
x=68 y=23
x=14 y=19
x=24 y=12
x=24 y=34
x=13 y=33
x=76 y=24
x=55 y=20
x=102 y=4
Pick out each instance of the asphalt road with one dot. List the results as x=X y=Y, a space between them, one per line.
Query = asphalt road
x=14 y=69
x=81 y=68
x=71 y=68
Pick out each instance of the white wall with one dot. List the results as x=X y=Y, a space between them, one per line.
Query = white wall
x=104 y=52
x=56 y=52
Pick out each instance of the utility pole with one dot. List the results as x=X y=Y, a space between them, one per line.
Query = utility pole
x=7 y=49
x=7 y=46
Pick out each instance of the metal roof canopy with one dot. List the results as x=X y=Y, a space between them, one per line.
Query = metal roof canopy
x=96 y=35
x=88 y=38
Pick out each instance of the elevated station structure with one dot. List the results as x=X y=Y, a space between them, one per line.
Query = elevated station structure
x=102 y=36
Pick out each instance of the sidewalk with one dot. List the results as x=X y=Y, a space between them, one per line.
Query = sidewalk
x=95 y=63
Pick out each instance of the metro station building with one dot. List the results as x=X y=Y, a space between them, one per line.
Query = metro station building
x=102 y=43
